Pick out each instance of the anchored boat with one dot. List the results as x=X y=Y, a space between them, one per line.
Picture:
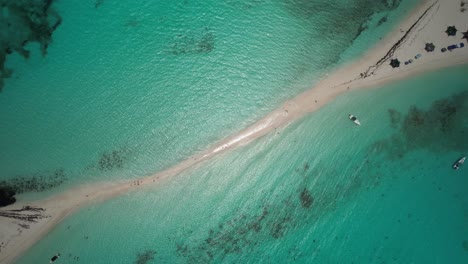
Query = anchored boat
x=458 y=163
x=354 y=119
x=54 y=258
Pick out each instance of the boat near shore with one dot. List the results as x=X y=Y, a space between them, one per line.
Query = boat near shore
x=354 y=119
x=458 y=163
x=54 y=258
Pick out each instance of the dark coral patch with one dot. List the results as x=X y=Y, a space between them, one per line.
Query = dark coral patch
x=354 y=17
x=38 y=182
x=112 y=160
x=438 y=125
x=234 y=236
x=439 y=128
x=245 y=4
x=145 y=257
x=193 y=42
x=278 y=228
x=306 y=198
x=98 y=3
x=395 y=117
x=382 y=20
x=206 y=43
x=23 y=22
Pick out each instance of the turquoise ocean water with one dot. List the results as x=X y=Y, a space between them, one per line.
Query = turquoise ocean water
x=320 y=191
x=130 y=88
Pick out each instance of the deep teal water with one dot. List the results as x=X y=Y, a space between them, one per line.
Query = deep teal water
x=321 y=191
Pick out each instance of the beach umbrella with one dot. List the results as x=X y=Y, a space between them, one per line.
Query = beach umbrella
x=429 y=47
x=451 y=31
x=465 y=35
x=395 y=63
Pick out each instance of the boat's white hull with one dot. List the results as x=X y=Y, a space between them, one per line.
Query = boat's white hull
x=458 y=163
x=354 y=119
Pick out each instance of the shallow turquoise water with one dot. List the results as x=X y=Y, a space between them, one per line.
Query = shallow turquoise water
x=321 y=190
x=130 y=88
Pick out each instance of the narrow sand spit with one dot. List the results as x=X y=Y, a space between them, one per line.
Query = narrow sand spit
x=427 y=23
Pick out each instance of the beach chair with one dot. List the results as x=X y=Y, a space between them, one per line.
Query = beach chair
x=452 y=47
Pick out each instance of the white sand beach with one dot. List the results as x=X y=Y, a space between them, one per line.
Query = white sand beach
x=426 y=24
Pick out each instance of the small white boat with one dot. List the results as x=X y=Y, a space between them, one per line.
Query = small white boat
x=54 y=258
x=354 y=119
x=458 y=163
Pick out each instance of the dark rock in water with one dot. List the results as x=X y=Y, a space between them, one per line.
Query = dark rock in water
x=6 y=196
x=306 y=198
x=23 y=22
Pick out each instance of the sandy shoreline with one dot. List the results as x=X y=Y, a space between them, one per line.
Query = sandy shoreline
x=433 y=19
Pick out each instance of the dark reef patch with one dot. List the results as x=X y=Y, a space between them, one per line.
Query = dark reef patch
x=395 y=117
x=131 y=23
x=235 y=236
x=382 y=20
x=38 y=182
x=363 y=27
x=433 y=129
x=306 y=195
x=145 y=257
x=306 y=198
x=245 y=4
x=392 y=3
x=112 y=160
x=22 y=22
x=277 y=215
x=279 y=226
x=98 y=3
x=354 y=19
x=193 y=42
x=303 y=171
